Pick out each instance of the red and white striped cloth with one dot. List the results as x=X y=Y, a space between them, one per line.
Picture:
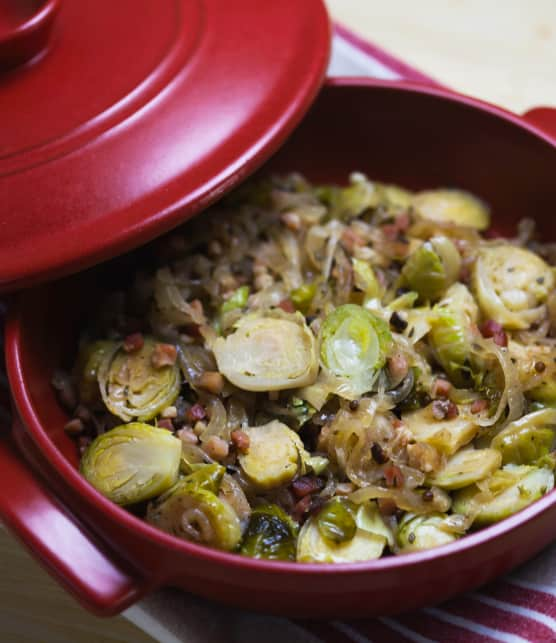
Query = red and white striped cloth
x=517 y=609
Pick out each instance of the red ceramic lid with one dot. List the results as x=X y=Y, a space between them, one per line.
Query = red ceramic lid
x=138 y=114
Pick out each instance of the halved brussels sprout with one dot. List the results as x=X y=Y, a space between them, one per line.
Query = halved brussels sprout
x=510 y=489
x=131 y=387
x=511 y=285
x=238 y=299
x=336 y=520
x=526 y=440
x=193 y=513
x=365 y=279
x=132 y=462
x=395 y=197
x=303 y=296
x=432 y=267
x=313 y=547
x=352 y=201
x=536 y=369
x=354 y=346
x=275 y=454
x=271 y=534
x=205 y=476
x=424 y=532
x=452 y=206
x=451 y=335
x=447 y=436
x=467 y=467
x=268 y=353
x=231 y=491
x=88 y=363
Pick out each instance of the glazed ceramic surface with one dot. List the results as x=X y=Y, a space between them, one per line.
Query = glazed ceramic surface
x=133 y=118
x=394 y=132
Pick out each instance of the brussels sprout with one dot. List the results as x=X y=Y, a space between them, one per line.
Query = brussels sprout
x=336 y=520
x=196 y=514
x=511 y=284
x=313 y=547
x=354 y=346
x=88 y=362
x=271 y=534
x=432 y=268
x=205 y=476
x=132 y=462
x=237 y=300
x=365 y=279
x=269 y=353
x=452 y=206
x=424 y=532
x=526 y=440
x=394 y=197
x=447 y=436
x=352 y=201
x=513 y=487
x=230 y=490
x=131 y=387
x=275 y=454
x=450 y=335
x=467 y=467
x=536 y=369
x=303 y=296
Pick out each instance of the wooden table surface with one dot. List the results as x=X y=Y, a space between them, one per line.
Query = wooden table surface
x=506 y=56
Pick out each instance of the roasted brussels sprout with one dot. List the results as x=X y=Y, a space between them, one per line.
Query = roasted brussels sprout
x=352 y=201
x=451 y=335
x=446 y=435
x=132 y=462
x=510 y=489
x=238 y=299
x=275 y=454
x=526 y=440
x=452 y=206
x=336 y=520
x=395 y=197
x=270 y=534
x=88 y=363
x=195 y=513
x=268 y=353
x=365 y=279
x=132 y=387
x=511 y=285
x=303 y=296
x=206 y=476
x=313 y=547
x=354 y=346
x=432 y=268
x=424 y=532
x=536 y=369
x=467 y=467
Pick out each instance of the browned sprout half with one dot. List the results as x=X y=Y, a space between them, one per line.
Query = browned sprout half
x=191 y=510
x=268 y=353
x=132 y=463
x=511 y=285
x=133 y=386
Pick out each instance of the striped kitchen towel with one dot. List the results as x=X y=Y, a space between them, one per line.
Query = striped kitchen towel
x=517 y=609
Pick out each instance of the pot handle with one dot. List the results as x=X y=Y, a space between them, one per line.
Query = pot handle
x=544 y=118
x=56 y=539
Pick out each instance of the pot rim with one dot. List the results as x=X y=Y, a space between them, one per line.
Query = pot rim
x=73 y=478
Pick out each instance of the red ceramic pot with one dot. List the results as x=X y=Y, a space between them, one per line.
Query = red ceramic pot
x=407 y=134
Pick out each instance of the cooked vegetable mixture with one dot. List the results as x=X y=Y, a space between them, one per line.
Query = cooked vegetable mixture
x=324 y=374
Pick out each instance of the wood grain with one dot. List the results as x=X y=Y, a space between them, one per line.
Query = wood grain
x=33 y=608
x=502 y=52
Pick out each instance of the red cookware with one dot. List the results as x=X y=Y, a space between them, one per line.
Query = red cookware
x=136 y=114
x=397 y=132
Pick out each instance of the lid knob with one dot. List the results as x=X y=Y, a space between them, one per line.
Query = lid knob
x=25 y=26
